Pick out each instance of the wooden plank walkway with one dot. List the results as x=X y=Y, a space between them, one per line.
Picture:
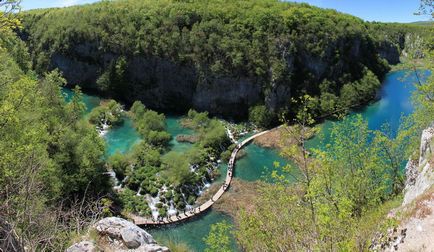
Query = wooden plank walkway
x=205 y=206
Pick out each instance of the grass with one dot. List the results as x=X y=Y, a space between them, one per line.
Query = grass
x=418 y=208
x=176 y=246
x=373 y=222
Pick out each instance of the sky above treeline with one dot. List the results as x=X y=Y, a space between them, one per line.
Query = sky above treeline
x=371 y=10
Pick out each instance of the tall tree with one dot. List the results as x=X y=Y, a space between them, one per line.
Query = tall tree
x=8 y=10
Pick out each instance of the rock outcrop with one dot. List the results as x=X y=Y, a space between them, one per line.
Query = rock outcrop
x=83 y=246
x=117 y=234
x=420 y=175
x=416 y=214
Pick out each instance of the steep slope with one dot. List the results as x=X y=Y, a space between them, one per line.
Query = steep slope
x=221 y=56
x=415 y=216
x=418 y=205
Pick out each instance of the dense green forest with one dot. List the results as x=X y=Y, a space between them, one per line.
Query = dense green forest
x=216 y=55
x=50 y=157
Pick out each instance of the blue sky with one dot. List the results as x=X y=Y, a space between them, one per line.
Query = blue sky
x=370 y=10
x=374 y=10
x=32 y=4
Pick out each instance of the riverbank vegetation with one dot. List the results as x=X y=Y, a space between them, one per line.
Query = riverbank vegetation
x=108 y=114
x=336 y=200
x=150 y=124
x=157 y=181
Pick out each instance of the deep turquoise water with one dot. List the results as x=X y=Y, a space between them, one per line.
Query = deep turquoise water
x=121 y=138
x=91 y=101
x=191 y=232
x=174 y=128
x=395 y=102
x=258 y=162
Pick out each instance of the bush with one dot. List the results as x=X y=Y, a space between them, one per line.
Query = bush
x=261 y=116
x=110 y=113
x=119 y=164
x=191 y=199
x=162 y=211
x=150 y=124
x=168 y=195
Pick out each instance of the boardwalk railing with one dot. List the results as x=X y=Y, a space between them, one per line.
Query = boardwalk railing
x=199 y=209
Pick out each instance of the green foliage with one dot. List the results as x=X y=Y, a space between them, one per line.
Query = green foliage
x=343 y=192
x=211 y=132
x=119 y=163
x=49 y=154
x=218 y=239
x=133 y=203
x=261 y=116
x=8 y=19
x=196 y=120
x=113 y=80
x=150 y=124
x=109 y=113
x=372 y=223
x=177 y=169
x=333 y=192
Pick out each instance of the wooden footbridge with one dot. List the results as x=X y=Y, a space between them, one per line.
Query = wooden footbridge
x=205 y=206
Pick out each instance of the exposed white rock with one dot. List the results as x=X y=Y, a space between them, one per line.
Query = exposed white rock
x=113 y=226
x=416 y=230
x=84 y=246
x=425 y=144
x=131 y=237
x=420 y=180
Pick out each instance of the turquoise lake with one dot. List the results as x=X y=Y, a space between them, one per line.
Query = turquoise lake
x=258 y=162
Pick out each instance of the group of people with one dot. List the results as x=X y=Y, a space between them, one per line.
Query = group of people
x=163 y=220
x=231 y=166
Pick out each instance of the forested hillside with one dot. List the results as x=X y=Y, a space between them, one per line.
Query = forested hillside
x=220 y=56
x=49 y=156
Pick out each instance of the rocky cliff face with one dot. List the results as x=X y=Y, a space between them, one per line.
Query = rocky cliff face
x=168 y=86
x=416 y=214
x=420 y=175
x=389 y=51
x=163 y=85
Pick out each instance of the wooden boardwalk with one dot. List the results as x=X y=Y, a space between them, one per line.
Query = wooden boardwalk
x=205 y=206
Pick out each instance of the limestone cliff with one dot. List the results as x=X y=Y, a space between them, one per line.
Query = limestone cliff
x=416 y=214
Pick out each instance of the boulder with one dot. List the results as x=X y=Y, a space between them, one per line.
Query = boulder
x=126 y=236
x=131 y=237
x=84 y=246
